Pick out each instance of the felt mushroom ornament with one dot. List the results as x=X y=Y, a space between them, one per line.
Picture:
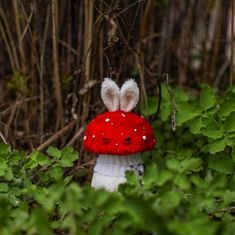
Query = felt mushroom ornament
x=118 y=136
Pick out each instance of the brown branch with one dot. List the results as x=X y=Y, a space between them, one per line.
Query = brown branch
x=8 y=48
x=27 y=26
x=41 y=72
x=57 y=135
x=3 y=138
x=232 y=42
x=18 y=33
x=89 y=15
x=140 y=50
x=227 y=209
x=10 y=45
x=56 y=77
x=128 y=39
x=79 y=132
x=81 y=166
x=65 y=44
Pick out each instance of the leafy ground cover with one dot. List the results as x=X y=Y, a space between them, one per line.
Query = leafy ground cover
x=188 y=186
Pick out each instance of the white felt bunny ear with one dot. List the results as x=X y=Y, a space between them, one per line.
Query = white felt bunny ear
x=129 y=95
x=110 y=94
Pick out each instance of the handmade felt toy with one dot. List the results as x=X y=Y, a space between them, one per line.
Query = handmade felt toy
x=118 y=136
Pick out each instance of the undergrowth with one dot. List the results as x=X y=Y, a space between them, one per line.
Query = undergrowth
x=188 y=186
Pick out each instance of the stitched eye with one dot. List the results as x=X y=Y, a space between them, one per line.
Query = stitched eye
x=127 y=140
x=105 y=140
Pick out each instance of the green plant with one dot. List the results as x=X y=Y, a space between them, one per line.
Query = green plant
x=19 y=83
x=188 y=186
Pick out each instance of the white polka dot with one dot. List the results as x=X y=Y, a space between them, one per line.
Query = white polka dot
x=116 y=144
x=154 y=140
x=143 y=128
x=135 y=130
x=123 y=115
x=144 y=137
x=142 y=116
x=107 y=120
x=122 y=133
x=112 y=123
x=93 y=136
x=85 y=137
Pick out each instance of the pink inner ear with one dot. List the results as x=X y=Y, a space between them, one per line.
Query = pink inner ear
x=129 y=95
x=110 y=94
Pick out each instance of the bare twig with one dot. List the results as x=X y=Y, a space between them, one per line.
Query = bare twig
x=128 y=39
x=19 y=102
x=89 y=18
x=79 y=132
x=140 y=51
x=28 y=21
x=68 y=47
x=8 y=48
x=56 y=77
x=2 y=137
x=10 y=37
x=232 y=44
x=89 y=15
x=57 y=135
x=81 y=166
x=130 y=6
x=18 y=33
x=41 y=72
x=227 y=209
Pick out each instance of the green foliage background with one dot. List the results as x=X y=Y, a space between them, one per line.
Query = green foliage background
x=188 y=186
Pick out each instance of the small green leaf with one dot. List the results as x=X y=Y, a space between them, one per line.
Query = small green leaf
x=3 y=167
x=66 y=162
x=151 y=174
x=42 y=160
x=230 y=141
x=228 y=106
x=163 y=177
x=69 y=222
x=56 y=172
x=68 y=156
x=165 y=111
x=191 y=164
x=4 y=187
x=171 y=200
x=132 y=177
x=54 y=152
x=229 y=196
x=173 y=164
x=229 y=124
x=181 y=95
x=151 y=107
x=217 y=146
x=196 y=125
x=159 y=134
x=37 y=158
x=207 y=98
x=165 y=93
x=41 y=221
x=186 y=112
x=233 y=154
x=212 y=128
x=182 y=181
x=4 y=150
x=223 y=164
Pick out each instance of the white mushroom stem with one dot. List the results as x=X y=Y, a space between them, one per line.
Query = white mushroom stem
x=109 y=170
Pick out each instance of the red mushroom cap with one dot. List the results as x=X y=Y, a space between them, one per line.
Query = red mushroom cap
x=118 y=133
